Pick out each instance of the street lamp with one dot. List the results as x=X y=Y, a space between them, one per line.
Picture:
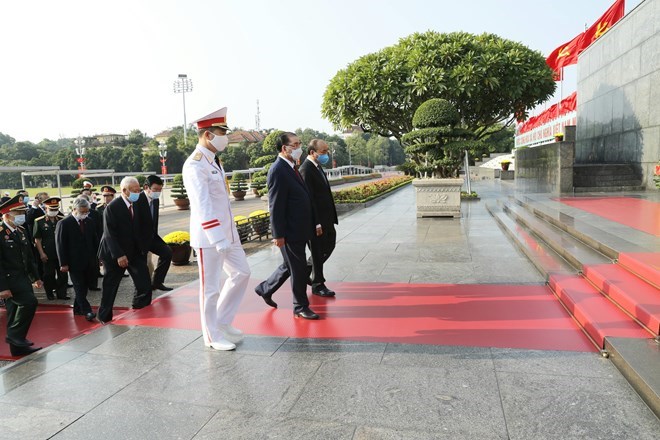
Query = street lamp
x=162 y=152
x=80 y=151
x=183 y=85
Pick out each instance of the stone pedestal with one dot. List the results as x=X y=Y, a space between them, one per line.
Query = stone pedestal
x=438 y=197
x=507 y=174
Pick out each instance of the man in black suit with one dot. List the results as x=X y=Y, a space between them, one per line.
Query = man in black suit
x=323 y=205
x=292 y=225
x=123 y=247
x=150 y=202
x=77 y=242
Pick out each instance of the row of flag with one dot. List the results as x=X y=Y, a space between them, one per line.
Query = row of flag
x=567 y=53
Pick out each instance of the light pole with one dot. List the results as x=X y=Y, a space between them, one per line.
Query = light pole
x=80 y=151
x=183 y=85
x=162 y=152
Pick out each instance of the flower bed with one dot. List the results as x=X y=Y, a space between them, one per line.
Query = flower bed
x=177 y=237
x=368 y=191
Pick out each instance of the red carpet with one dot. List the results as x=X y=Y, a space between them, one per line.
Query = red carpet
x=51 y=324
x=639 y=214
x=515 y=316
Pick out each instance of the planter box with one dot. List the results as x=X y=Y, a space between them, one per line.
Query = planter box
x=438 y=197
x=507 y=175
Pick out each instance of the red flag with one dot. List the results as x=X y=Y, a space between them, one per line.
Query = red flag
x=565 y=55
x=604 y=23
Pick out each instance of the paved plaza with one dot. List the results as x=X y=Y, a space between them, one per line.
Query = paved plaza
x=158 y=382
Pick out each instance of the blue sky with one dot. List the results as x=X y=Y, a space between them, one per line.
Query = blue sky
x=84 y=67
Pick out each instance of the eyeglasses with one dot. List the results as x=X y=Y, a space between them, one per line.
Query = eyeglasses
x=296 y=145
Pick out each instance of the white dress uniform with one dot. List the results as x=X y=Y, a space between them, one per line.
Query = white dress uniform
x=211 y=220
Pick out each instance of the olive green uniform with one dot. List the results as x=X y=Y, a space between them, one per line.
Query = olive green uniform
x=54 y=280
x=17 y=273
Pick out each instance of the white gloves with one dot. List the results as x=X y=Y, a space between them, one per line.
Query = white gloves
x=223 y=245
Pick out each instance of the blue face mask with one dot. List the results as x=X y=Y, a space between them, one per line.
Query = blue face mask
x=133 y=197
x=323 y=158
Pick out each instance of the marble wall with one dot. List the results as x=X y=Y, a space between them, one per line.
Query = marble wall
x=618 y=113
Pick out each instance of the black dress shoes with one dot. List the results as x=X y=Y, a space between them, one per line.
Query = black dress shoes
x=50 y=295
x=162 y=287
x=22 y=351
x=18 y=342
x=90 y=316
x=95 y=289
x=306 y=313
x=64 y=297
x=322 y=291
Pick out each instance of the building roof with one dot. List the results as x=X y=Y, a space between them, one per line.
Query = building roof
x=251 y=136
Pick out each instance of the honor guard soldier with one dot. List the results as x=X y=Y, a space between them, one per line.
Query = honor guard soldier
x=55 y=282
x=18 y=271
x=213 y=234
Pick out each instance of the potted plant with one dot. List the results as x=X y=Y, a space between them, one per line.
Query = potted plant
x=436 y=147
x=243 y=227
x=179 y=243
x=260 y=221
x=238 y=186
x=505 y=164
x=179 y=192
x=559 y=137
x=257 y=183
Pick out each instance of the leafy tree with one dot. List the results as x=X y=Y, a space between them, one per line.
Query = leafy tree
x=137 y=137
x=357 y=149
x=489 y=79
x=5 y=139
x=501 y=141
x=235 y=158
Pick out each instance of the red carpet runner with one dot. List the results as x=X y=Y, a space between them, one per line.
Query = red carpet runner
x=515 y=316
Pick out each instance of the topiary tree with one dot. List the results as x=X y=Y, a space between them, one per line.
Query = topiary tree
x=178 y=189
x=436 y=144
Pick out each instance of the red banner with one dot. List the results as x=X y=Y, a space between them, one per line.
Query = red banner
x=565 y=55
x=604 y=23
x=567 y=105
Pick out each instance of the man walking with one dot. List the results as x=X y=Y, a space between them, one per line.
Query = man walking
x=18 y=271
x=55 y=281
x=77 y=242
x=123 y=247
x=150 y=202
x=213 y=234
x=323 y=205
x=291 y=220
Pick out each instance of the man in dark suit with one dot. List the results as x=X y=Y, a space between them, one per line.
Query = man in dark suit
x=323 y=205
x=77 y=242
x=292 y=225
x=123 y=247
x=149 y=202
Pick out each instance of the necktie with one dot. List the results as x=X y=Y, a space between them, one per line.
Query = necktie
x=130 y=209
x=82 y=226
x=323 y=173
x=295 y=168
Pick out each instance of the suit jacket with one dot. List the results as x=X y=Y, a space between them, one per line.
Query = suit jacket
x=75 y=248
x=318 y=187
x=291 y=214
x=151 y=214
x=123 y=235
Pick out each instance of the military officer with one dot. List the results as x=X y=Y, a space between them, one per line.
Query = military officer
x=213 y=234
x=55 y=282
x=18 y=271
x=108 y=194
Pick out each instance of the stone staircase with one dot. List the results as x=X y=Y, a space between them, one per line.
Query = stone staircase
x=609 y=286
x=606 y=178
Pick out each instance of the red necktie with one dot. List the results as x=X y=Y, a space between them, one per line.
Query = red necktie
x=298 y=173
x=130 y=209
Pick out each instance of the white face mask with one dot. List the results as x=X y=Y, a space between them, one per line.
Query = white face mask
x=219 y=142
x=19 y=219
x=51 y=213
x=80 y=217
x=295 y=154
x=155 y=195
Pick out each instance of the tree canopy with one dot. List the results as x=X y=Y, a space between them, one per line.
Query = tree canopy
x=487 y=78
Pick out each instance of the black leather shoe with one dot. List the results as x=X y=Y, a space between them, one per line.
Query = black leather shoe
x=64 y=297
x=162 y=287
x=18 y=342
x=90 y=316
x=95 y=289
x=268 y=299
x=322 y=291
x=50 y=295
x=307 y=314
x=22 y=351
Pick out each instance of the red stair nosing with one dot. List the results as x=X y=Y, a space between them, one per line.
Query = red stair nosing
x=630 y=292
x=595 y=313
x=646 y=265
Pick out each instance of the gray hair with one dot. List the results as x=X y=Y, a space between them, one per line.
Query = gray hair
x=80 y=202
x=83 y=196
x=126 y=182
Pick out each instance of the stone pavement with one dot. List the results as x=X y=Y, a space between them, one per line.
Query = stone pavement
x=154 y=383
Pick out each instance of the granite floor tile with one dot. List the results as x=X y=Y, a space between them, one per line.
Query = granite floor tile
x=560 y=363
x=94 y=339
x=149 y=344
x=325 y=350
x=443 y=400
x=78 y=385
x=226 y=379
x=376 y=433
x=232 y=424
x=565 y=407
x=248 y=345
x=438 y=356
x=139 y=419
x=27 y=423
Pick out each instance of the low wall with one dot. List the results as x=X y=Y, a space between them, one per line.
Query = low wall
x=546 y=169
